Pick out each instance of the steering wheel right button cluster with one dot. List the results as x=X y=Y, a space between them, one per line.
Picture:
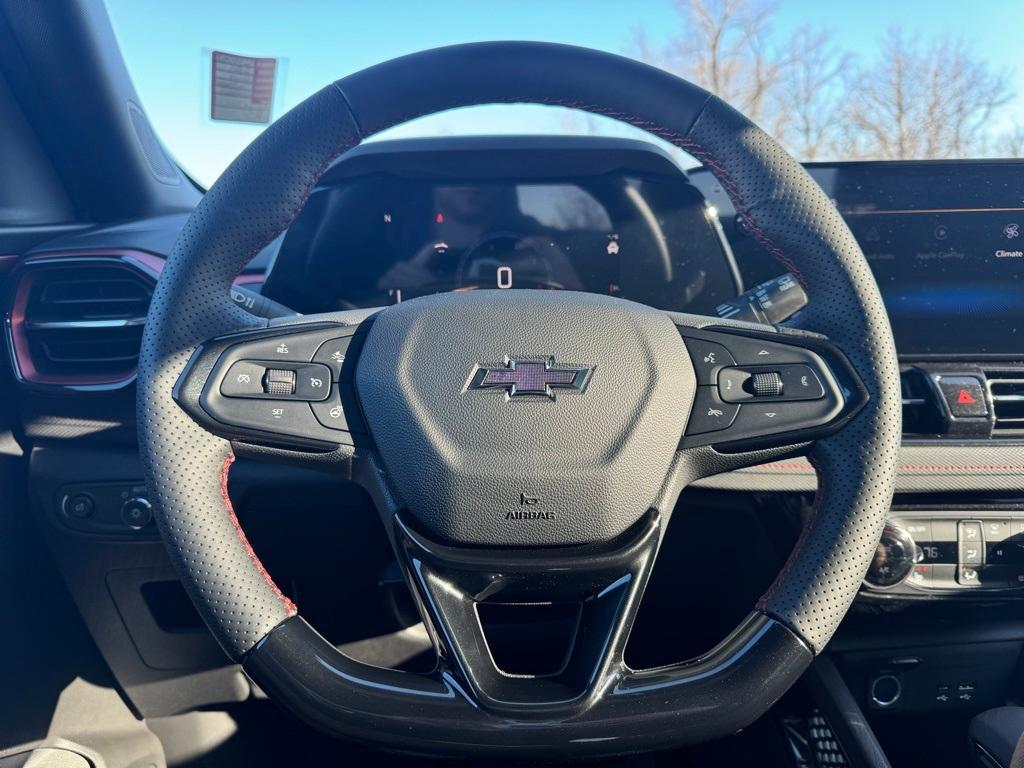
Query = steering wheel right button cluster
x=750 y=389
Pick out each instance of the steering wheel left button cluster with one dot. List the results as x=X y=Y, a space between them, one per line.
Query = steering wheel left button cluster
x=294 y=388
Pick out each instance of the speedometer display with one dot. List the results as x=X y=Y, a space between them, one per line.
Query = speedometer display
x=379 y=239
x=496 y=236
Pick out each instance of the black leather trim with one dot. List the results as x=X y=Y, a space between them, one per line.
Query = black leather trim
x=520 y=72
x=250 y=205
x=795 y=220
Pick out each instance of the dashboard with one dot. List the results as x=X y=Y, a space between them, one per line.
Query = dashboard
x=395 y=220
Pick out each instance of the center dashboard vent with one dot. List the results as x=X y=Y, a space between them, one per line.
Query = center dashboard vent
x=1006 y=390
x=79 y=321
x=972 y=402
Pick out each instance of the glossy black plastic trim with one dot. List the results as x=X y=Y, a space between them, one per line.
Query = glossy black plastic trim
x=709 y=697
x=604 y=580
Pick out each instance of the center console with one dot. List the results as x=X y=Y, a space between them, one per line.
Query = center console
x=926 y=552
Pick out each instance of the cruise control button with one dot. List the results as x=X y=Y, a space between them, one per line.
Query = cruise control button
x=330 y=412
x=285 y=417
x=332 y=354
x=243 y=379
x=708 y=359
x=313 y=382
x=710 y=413
x=295 y=348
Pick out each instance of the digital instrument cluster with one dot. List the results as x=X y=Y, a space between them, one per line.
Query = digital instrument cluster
x=609 y=217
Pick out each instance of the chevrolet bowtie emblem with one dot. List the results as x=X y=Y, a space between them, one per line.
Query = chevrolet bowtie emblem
x=530 y=377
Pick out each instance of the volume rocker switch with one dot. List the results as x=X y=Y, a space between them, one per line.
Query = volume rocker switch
x=768 y=384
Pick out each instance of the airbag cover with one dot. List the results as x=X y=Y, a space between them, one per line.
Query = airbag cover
x=477 y=466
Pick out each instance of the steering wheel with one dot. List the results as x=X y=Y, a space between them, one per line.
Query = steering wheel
x=522 y=447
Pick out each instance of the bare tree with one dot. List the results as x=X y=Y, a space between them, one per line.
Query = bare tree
x=724 y=46
x=721 y=46
x=913 y=100
x=922 y=101
x=1011 y=142
x=807 y=104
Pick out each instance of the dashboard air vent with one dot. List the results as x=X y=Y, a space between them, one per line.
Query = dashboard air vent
x=79 y=322
x=1006 y=389
x=921 y=413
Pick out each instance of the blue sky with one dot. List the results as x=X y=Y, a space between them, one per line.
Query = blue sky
x=166 y=45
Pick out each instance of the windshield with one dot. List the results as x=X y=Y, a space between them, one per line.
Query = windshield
x=870 y=79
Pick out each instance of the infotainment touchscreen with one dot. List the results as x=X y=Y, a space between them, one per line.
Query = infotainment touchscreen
x=946 y=244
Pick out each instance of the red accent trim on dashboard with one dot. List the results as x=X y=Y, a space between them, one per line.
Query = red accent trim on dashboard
x=805 y=468
x=152 y=263
x=148 y=264
x=251 y=279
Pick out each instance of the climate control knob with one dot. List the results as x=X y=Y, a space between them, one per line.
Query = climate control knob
x=894 y=558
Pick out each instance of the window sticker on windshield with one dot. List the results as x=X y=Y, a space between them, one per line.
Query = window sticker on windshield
x=242 y=88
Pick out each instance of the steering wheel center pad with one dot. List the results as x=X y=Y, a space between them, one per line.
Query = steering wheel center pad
x=487 y=467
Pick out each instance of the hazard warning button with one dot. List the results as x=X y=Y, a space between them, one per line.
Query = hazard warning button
x=964 y=396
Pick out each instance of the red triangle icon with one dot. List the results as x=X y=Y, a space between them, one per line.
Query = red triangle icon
x=964 y=398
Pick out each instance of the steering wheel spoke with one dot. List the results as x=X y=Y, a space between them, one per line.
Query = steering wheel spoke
x=486 y=606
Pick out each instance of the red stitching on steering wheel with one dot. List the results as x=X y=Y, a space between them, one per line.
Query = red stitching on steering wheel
x=224 y=470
